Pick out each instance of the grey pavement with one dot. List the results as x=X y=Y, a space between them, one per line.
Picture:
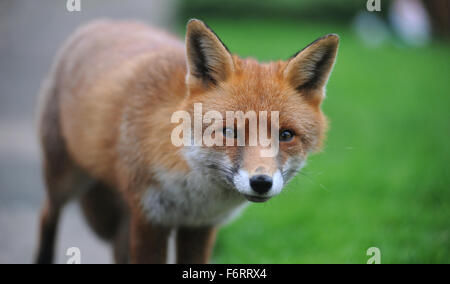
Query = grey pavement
x=30 y=33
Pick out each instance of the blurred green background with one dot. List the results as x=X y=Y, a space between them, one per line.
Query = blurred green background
x=382 y=179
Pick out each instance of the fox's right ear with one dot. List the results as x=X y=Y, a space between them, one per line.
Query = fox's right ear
x=208 y=60
x=309 y=69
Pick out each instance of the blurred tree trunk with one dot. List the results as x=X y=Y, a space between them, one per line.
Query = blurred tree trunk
x=439 y=11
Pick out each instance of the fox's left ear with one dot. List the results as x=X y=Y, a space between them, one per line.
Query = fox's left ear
x=208 y=60
x=309 y=69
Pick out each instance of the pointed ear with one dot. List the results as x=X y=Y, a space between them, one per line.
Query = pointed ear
x=208 y=60
x=309 y=69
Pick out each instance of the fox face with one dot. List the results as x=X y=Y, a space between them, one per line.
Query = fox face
x=283 y=98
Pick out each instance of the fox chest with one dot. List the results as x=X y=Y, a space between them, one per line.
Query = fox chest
x=191 y=203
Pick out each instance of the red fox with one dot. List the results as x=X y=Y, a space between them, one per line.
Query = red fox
x=105 y=130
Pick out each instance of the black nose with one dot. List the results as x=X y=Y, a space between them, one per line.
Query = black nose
x=261 y=183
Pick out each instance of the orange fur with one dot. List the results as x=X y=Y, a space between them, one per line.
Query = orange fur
x=108 y=104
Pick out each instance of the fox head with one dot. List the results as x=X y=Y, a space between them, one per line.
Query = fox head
x=292 y=89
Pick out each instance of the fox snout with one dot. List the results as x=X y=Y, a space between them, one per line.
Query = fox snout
x=261 y=184
x=258 y=187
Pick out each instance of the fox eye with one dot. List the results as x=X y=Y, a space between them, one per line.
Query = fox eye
x=229 y=132
x=286 y=135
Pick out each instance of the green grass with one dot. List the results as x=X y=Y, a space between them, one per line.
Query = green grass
x=382 y=179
